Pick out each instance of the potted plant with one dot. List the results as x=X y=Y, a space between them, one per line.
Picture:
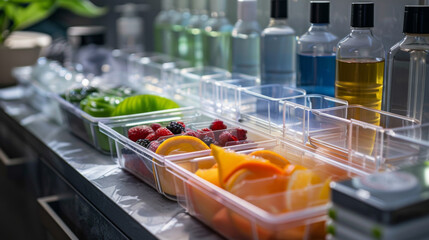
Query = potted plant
x=19 y=48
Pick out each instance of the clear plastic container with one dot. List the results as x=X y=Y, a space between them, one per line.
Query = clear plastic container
x=86 y=127
x=258 y=217
x=149 y=166
x=193 y=81
x=298 y=122
x=358 y=136
x=261 y=105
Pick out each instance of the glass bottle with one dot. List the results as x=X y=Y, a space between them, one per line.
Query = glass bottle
x=360 y=61
x=179 y=21
x=406 y=91
x=278 y=48
x=245 y=39
x=162 y=27
x=217 y=37
x=316 y=53
x=194 y=32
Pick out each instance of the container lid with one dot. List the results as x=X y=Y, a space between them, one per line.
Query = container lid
x=416 y=19
x=247 y=10
x=319 y=12
x=279 y=8
x=388 y=197
x=362 y=15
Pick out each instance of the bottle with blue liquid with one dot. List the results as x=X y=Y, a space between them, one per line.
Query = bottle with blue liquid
x=278 y=48
x=316 y=53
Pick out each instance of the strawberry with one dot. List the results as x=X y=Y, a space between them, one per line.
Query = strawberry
x=155 y=126
x=206 y=132
x=161 y=132
x=151 y=137
x=241 y=134
x=191 y=133
x=217 y=125
x=153 y=146
x=139 y=132
x=226 y=137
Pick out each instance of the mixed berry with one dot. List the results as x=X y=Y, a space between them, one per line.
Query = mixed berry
x=217 y=133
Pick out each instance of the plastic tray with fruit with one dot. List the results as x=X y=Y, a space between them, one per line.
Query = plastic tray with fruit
x=280 y=192
x=359 y=136
x=82 y=108
x=143 y=144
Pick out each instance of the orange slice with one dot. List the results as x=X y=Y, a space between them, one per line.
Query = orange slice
x=211 y=175
x=299 y=191
x=271 y=156
x=181 y=144
x=291 y=168
x=227 y=161
x=254 y=169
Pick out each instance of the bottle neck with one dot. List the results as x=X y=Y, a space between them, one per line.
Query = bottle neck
x=319 y=27
x=416 y=41
x=276 y=22
x=361 y=31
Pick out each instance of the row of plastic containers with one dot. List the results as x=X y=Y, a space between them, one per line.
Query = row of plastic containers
x=324 y=134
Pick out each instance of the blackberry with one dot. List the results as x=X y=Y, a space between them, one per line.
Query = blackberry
x=208 y=140
x=143 y=142
x=176 y=128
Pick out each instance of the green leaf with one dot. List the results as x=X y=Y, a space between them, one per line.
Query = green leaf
x=142 y=104
x=26 y=16
x=82 y=7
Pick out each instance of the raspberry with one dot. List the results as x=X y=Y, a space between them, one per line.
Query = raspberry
x=139 y=132
x=143 y=142
x=176 y=128
x=151 y=137
x=217 y=125
x=226 y=137
x=191 y=133
x=208 y=140
x=182 y=123
x=155 y=126
x=153 y=146
x=241 y=134
x=205 y=132
x=161 y=132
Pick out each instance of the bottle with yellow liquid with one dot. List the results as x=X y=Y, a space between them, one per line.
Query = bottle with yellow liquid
x=360 y=74
x=360 y=61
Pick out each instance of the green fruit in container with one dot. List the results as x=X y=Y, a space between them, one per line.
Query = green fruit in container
x=142 y=104
x=100 y=104
x=78 y=94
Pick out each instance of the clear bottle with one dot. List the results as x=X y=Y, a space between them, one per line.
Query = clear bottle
x=179 y=21
x=246 y=39
x=406 y=91
x=316 y=53
x=130 y=27
x=278 y=48
x=194 y=32
x=217 y=37
x=162 y=27
x=360 y=61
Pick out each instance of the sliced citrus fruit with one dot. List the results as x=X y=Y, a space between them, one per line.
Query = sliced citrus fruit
x=299 y=189
x=227 y=161
x=254 y=169
x=211 y=175
x=181 y=144
x=291 y=168
x=271 y=156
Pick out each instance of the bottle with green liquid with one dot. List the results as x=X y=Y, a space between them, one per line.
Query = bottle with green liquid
x=194 y=33
x=179 y=21
x=162 y=27
x=360 y=61
x=217 y=37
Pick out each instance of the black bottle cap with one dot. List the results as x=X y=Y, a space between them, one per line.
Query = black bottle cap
x=278 y=8
x=362 y=14
x=319 y=12
x=416 y=19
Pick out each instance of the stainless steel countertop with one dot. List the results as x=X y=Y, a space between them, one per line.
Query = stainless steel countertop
x=135 y=208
